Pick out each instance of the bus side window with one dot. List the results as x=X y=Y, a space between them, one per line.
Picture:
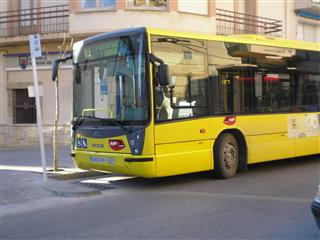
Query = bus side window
x=310 y=96
x=307 y=80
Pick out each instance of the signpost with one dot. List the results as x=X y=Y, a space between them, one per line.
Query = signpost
x=35 y=51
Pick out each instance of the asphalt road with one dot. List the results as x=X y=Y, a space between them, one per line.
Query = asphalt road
x=270 y=201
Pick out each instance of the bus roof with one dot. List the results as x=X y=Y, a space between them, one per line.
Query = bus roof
x=242 y=38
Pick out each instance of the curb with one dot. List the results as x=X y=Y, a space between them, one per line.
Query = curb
x=69 y=190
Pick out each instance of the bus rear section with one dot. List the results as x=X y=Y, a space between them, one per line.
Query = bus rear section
x=233 y=101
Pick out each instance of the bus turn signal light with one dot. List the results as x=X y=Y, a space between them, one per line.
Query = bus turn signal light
x=229 y=120
x=116 y=145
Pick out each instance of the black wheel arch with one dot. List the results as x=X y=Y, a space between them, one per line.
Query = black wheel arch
x=242 y=144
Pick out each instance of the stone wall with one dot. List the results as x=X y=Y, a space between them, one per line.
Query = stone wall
x=27 y=135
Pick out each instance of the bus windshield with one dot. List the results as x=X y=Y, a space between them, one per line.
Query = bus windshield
x=110 y=80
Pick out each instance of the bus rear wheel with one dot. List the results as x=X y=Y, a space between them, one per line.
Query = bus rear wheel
x=226 y=156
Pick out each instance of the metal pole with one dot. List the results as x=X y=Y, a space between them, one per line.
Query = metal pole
x=39 y=118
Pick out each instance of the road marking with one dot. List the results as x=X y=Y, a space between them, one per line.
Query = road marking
x=20 y=168
x=106 y=180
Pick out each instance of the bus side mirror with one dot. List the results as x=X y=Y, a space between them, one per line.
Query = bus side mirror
x=77 y=74
x=55 y=67
x=163 y=74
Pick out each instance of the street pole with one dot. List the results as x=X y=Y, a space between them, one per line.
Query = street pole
x=35 y=48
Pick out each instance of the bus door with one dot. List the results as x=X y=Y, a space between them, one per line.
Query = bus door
x=228 y=84
x=182 y=140
x=182 y=131
x=267 y=128
x=236 y=85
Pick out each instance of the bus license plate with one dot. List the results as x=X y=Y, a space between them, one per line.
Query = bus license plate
x=97 y=159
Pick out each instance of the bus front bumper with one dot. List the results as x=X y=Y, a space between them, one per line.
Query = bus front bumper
x=143 y=166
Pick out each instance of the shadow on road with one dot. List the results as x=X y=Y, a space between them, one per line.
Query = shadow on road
x=278 y=169
x=284 y=163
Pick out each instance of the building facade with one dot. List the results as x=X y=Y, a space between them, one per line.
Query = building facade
x=62 y=20
x=18 y=19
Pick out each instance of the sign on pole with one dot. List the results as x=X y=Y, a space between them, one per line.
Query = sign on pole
x=35 y=51
x=31 y=91
x=35 y=46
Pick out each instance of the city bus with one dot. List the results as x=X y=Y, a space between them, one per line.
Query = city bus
x=155 y=103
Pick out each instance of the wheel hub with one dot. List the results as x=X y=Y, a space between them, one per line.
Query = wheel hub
x=230 y=156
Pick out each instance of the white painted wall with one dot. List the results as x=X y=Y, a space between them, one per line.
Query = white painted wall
x=104 y=21
x=290 y=25
x=193 y=6
x=48 y=3
x=225 y=4
x=275 y=9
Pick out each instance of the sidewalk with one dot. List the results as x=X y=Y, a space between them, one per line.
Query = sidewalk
x=23 y=192
x=22 y=180
x=20 y=187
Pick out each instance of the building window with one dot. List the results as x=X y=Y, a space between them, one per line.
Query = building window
x=108 y=3
x=24 y=108
x=307 y=32
x=28 y=13
x=93 y=4
x=85 y=4
x=147 y=4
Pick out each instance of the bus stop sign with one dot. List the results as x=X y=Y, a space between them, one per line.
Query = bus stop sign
x=35 y=46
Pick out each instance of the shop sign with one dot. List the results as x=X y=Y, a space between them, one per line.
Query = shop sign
x=23 y=60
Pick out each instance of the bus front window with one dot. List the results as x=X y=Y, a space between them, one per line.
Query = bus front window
x=111 y=80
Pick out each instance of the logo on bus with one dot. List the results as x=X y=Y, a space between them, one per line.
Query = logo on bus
x=97 y=145
x=82 y=143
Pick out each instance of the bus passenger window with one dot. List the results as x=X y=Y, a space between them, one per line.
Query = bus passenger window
x=310 y=92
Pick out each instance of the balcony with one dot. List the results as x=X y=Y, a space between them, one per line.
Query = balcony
x=308 y=9
x=229 y=23
x=44 y=20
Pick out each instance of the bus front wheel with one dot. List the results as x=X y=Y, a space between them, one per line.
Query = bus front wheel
x=226 y=156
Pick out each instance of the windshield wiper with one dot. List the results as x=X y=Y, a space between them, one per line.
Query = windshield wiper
x=117 y=123
x=79 y=121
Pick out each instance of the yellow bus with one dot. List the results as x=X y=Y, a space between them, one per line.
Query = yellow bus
x=154 y=103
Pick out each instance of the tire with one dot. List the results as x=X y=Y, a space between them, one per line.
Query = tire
x=226 y=156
